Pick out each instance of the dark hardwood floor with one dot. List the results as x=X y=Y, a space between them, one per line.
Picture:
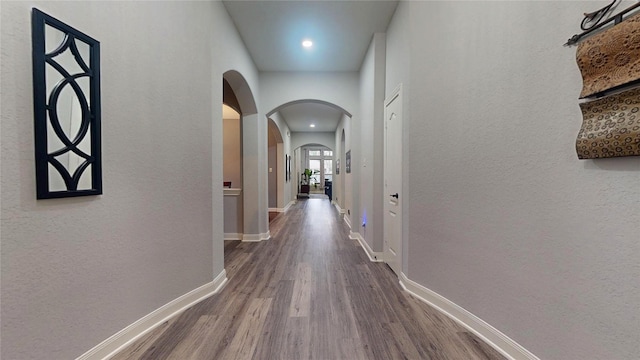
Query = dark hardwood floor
x=308 y=293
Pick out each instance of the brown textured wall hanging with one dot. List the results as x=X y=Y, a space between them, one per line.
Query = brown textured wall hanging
x=610 y=126
x=610 y=59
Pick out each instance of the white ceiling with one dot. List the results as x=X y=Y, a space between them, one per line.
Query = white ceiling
x=341 y=31
x=299 y=116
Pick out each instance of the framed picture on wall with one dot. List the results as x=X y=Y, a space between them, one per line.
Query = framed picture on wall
x=287 y=165
x=338 y=167
x=347 y=162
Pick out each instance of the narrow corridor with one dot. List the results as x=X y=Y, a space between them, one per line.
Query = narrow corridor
x=308 y=293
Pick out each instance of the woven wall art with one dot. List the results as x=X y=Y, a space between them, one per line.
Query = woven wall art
x=610 y=59
x=610 y=126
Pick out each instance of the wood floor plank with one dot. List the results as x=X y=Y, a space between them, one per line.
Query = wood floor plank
x=227 y=310
x=401 y=341
x=297 y=341
x=310 y=292
x=273 y=339
x=246 y=338
x=143 y=344
x=171 y=337
x=189 y=348
x=301 y=297
x=482 y=349
x=238 y=262
x=321 y=327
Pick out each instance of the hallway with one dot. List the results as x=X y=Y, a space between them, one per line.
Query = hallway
x=308 y=293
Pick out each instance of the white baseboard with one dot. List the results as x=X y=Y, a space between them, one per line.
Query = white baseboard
x=347 y=221
x=284 y=209
x=340 y=210
x=493 y=337
x=290 y=204
x=232 y=236
x=256 y=237
x=133 y=332
x=251 y=237
x=373 y=256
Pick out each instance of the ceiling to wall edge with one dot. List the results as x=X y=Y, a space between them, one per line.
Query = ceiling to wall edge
x=300 y=114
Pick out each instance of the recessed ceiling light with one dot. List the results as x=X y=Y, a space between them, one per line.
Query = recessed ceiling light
x=312 y=125
x=307 y=43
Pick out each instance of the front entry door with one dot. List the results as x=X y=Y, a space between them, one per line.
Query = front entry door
x=393 y=182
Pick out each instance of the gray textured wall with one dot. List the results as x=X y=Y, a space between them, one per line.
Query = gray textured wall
x=504 y=220
x=76 y=271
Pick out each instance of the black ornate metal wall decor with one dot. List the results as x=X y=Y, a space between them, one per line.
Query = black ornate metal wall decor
x=66 y=95
x=595 y=20
x=592 y=19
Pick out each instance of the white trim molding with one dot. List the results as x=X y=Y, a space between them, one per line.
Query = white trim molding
x=256 y=237
x=232 y=192
x=373 y=256
x=340 y=210
x=290 y=204
x=347 y=221
x=284 y=209
x=251 y=237
x=233 y=236
x=133 y=332
x=492 y=336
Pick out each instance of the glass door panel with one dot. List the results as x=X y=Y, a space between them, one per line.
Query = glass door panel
x=328 y=170
x=314 y=166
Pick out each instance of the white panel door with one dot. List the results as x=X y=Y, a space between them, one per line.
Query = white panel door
x=393 y=181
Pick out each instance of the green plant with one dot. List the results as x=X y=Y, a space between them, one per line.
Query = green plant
x=306 y=177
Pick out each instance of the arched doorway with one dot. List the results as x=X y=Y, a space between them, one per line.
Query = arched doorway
x=252 y=199
x=316 y=126
x=276 y=165
x=232 y=170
